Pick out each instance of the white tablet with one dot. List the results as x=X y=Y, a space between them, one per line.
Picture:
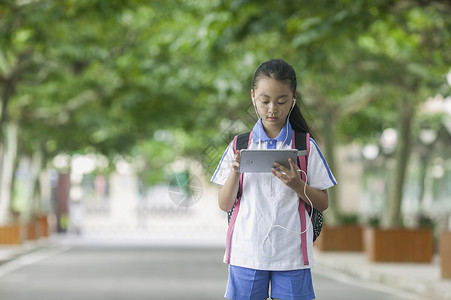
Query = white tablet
x=261 y=161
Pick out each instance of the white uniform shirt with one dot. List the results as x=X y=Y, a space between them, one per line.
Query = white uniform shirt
x=266 y=234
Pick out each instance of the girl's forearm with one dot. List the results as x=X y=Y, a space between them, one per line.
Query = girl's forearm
x=228 y=192
x=319 y=198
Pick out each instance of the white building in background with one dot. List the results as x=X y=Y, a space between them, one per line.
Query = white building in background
x=117 y=208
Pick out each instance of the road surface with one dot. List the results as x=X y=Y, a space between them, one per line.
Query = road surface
x=145 y=272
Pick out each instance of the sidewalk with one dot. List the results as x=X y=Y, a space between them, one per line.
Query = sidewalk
x=417 y=278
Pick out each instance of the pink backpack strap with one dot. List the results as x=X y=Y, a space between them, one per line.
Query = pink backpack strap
x=302 y=161
x=232 y=224
x=236 y=209
x=234 y=144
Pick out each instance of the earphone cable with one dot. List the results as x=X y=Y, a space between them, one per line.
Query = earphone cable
x=282 y=227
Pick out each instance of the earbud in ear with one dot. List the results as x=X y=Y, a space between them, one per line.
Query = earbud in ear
x=294 y=102
x=253 y=101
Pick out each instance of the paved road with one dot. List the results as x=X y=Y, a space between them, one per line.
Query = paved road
x=143 y=272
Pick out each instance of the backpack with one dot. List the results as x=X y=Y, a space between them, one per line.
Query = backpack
x=300 y=141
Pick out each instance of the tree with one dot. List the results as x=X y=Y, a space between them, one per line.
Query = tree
x=96 y=76
x=387 y=50
x=418 y=63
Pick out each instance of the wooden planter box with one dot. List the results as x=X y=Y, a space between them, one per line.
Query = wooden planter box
x=340 y=238
x=10 y=235
x=43 y=226
x=31 y=231
x=445 y=254
x=37 y=229
x=399 y=245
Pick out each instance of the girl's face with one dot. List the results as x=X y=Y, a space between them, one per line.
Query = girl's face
x=273 y=100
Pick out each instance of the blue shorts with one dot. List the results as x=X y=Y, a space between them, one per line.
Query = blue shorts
x=250 y=284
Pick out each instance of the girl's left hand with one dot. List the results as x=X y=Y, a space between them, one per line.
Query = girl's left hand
x=290 y=177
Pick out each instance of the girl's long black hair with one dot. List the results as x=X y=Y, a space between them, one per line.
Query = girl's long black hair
x=280 y=70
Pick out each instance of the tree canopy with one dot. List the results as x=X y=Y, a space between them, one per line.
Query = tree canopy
x=127 y=77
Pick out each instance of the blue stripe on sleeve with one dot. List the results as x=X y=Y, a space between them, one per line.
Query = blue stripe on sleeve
x=219 y=166
x=325 y=163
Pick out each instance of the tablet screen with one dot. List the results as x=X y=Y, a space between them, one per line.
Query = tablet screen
x=261 y=161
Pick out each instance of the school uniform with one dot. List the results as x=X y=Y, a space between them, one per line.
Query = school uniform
x=267 y=231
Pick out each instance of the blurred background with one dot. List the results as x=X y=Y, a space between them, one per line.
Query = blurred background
x=115 y=114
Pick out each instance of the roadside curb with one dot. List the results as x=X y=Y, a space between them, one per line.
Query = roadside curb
x=11 y=252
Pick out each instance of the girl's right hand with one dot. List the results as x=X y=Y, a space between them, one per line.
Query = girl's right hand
x=236 y=163
x=228 y=192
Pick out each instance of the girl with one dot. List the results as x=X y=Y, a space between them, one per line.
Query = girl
x=266 y=238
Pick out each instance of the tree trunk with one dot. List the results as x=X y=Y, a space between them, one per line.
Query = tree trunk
x=333 y=212
x=392 y=217
x=62 y=201
x=7 y=170
x=33 y=191
x=425 y=159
